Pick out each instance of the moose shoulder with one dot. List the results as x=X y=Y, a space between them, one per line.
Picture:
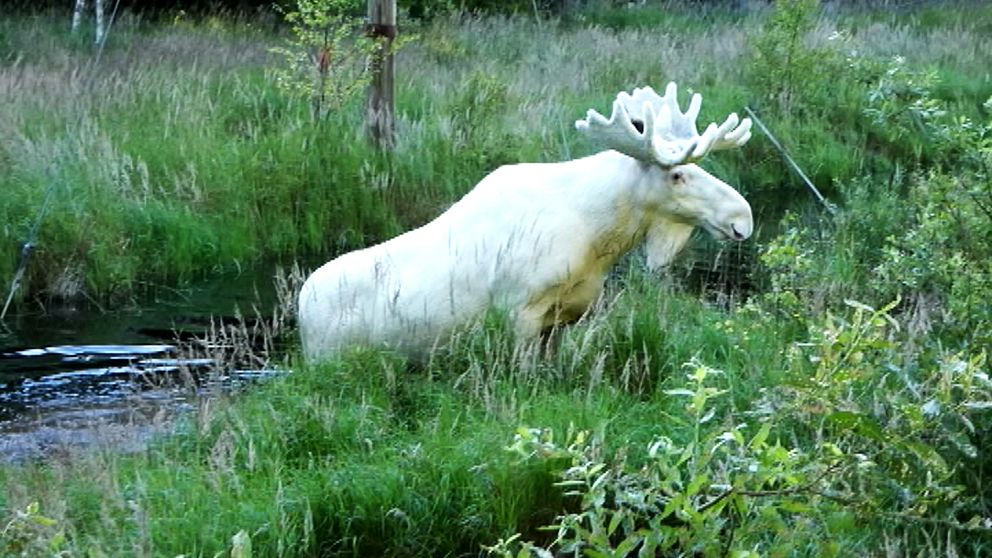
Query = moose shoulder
x=536 y=240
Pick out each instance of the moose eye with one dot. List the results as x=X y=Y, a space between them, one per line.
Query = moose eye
x=677 y=176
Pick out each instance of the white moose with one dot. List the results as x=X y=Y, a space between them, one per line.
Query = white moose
x=535 y=240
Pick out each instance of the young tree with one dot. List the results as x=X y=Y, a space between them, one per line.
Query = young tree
x=77 y=18
x=326 y=59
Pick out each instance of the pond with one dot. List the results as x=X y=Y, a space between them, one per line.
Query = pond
x=73 y=377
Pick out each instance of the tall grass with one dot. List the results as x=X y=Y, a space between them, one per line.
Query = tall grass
x=176 y=155
x=370 y=456
x=180 y=157
x=367 y=455
x=169 y=161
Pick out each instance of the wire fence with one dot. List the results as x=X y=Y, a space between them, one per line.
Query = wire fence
x=725 y=272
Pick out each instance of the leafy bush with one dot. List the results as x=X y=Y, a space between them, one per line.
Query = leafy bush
x=922 y=237
x=855 y=435
x=783 y=63
x=30 y=533
x=940 y=259
x=900 y=104
x=326 y=60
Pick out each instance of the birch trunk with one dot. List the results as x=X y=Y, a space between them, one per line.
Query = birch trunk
x=98 y=8
x=77 y=14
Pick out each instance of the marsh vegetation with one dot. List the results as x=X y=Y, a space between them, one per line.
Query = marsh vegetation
x=836 y=406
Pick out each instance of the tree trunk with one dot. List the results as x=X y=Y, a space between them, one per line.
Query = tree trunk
x=382 y=27
x=77 y=14
x=98 y=8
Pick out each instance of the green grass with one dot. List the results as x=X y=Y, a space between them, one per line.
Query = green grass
x=177 y=156
x=368 y=456
x=181 y=158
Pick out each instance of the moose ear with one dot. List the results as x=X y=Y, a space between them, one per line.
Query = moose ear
x=665 y=239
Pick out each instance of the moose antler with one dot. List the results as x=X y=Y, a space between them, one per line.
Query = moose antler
x=654 y=129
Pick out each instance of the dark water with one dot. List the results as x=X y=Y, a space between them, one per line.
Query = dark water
x=73 y=377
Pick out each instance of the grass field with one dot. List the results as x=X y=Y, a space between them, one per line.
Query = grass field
x=838 y=406
x=177 y=155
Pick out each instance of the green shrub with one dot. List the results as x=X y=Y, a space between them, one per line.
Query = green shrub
x=784 y=68
x=29 y=533
x=855 y=435
x=919 y=237
x=326 y=61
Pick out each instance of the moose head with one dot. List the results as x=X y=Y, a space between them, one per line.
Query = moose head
x=653 y=130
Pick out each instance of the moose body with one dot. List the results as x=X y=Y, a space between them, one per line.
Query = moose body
x=536 y=240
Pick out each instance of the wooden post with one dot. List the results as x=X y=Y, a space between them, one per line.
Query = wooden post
x=382 y=28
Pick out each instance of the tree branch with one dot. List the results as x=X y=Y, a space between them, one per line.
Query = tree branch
x=808 y=488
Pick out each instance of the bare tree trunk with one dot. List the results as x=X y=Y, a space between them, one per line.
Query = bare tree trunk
x=382 y=27
x=98 y=7
x=77 y=14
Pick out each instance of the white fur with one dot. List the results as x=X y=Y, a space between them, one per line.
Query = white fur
x=536 y=240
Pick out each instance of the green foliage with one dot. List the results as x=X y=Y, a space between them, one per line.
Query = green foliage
x=900 y=104
x=650 y=16
x=831 y=428
x=873 y=112
x=326 y=60
x=870 y=441
x=727 y=490
x=789 y=261
x=429 y=9
x=920 y=237
x=940 y=258
x=898 y=421
x=853 y=442
x=29 y=533
x=185 y=157
x=483 y=98
x=783 y=63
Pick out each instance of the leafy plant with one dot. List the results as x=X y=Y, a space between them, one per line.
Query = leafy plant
x=784 y=65
x=30 y=533
x=896 y=420
x=940 y=258
x=902 y=112
x=482 y=98
x=790 y=263
x=727 y=490
x=853 y=434
x=326 y=59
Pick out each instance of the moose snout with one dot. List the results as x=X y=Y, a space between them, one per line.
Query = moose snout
x=740 y=230
x=740 y=221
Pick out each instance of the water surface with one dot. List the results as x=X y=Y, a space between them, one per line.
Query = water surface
x=76 y=376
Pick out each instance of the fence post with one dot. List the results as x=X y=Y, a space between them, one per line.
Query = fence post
x=382 y=28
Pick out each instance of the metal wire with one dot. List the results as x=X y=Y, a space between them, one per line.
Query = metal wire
x=795 y=166
x=28 y=247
